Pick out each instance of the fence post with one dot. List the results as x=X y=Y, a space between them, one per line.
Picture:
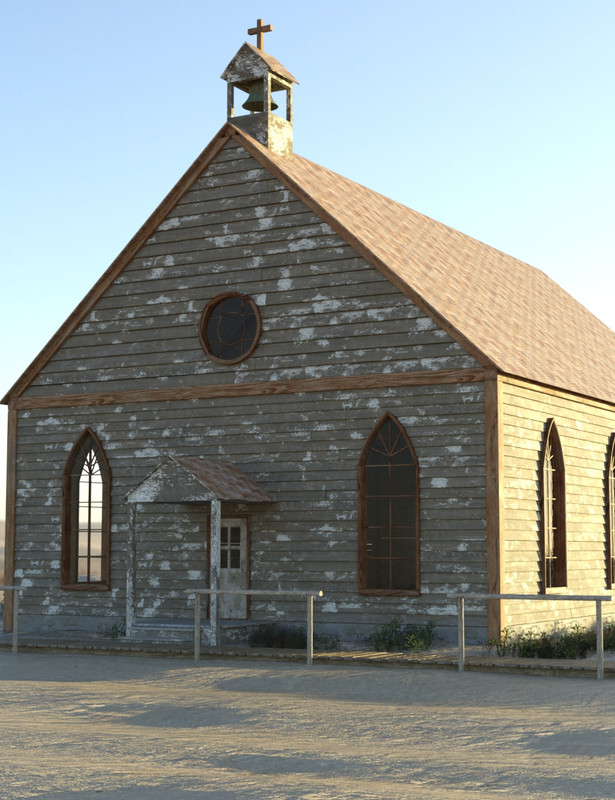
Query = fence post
x=461 y=633
x=599 y=642
x=15 y=618
x=310 y=628
x=197 y=626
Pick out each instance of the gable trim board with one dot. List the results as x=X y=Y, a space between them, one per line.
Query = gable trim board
x=115 y=268
x=535 y=349
x=261 y=154
x=226 y=134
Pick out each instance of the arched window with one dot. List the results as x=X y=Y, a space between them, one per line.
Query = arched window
x=388 y=512
x=86 y=516
x=610 y=515
x=553 y=511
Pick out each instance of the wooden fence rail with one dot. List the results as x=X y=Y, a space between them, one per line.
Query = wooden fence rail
x=309 y=597
x=598 y=599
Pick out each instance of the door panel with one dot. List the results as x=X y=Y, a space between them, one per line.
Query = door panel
x=234 y=559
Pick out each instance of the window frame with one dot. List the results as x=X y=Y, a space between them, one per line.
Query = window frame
x=362 y=515
x=609 y=481
x=553 y=538
x=204 y=320
x=88 y=442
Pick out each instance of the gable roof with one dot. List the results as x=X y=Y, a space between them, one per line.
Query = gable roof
x=196 y=479
x=507 y=314
x=249 y=62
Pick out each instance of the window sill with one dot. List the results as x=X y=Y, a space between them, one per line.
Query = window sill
x=390 y=592
x=85 y=587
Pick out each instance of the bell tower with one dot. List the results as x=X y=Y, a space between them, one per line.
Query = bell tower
x=259 y=75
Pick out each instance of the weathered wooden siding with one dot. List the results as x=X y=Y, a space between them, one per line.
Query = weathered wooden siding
x=585 y=428
x=304 y=450
x=171 y=557
x=326 y=312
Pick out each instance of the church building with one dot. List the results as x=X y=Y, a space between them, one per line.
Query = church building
x=288 y=382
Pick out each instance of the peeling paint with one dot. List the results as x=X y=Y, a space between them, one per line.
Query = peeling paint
x=147 y=452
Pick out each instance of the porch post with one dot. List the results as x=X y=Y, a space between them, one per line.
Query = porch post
x=131 y=549
x=214 y=569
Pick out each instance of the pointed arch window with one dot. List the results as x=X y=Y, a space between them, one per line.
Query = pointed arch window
x=553 y=511
x=610 y=516
x=86 y=516
x=388 y=512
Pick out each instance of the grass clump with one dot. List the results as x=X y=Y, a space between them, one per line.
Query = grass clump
x=609 y=635
x=393 y=637
x=294 y=637
x=573 y=642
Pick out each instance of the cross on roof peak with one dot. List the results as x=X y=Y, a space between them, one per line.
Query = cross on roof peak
x=260 y=32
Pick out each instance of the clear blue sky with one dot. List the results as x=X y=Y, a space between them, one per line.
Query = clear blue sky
x=496 y=117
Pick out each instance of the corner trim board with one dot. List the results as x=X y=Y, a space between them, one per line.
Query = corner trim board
x=9 y=532
x=494 y=501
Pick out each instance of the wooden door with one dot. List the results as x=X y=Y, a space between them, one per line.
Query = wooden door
x=234 y=566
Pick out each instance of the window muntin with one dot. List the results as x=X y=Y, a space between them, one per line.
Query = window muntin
x=230 y=328
x=610 y=516
x=86 y=517
x=388 y=512
x=553 y=511
x=230 y=547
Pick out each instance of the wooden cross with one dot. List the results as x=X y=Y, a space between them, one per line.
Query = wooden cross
x=259 y=32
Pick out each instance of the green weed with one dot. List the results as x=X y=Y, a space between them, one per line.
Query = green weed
x=573 y=642
x=393 y=637
x=294 y=637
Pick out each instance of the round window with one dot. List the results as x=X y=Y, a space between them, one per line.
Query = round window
x=230 y=328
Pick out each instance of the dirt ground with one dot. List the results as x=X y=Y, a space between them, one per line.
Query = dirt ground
x=119 y=727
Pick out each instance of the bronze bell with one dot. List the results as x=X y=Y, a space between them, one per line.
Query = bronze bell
x=256 y=98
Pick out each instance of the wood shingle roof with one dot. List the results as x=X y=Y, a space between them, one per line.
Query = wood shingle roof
x=507 y=313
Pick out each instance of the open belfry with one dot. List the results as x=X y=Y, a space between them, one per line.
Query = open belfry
x=287 y=382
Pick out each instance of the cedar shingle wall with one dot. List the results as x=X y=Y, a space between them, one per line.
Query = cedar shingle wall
x=585 y=428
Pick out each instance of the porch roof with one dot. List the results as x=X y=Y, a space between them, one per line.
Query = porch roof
x=196 y=479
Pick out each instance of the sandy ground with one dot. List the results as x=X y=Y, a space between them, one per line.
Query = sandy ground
x=86 y=726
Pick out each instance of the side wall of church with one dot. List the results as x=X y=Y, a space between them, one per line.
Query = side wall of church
x=585 y=428
x=326 y=313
